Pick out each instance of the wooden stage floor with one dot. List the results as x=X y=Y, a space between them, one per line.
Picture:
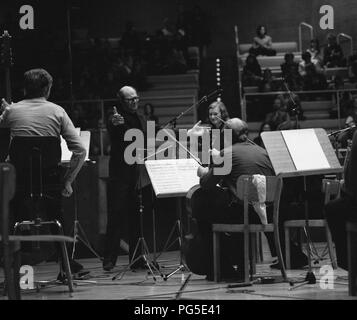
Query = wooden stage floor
x=98 y=285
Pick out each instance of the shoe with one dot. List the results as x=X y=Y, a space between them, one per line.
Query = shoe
x=108 y=265
x=109 y=262
x=75 y=266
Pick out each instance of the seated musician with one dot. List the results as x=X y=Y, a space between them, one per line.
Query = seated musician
x=214 y=205
x=344 y=209
x=217 y=117
x=33 y=117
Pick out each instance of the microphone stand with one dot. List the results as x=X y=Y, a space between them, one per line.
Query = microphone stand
x=196 y=104
x=295 y=109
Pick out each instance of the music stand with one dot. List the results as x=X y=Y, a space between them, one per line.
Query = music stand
x=141 y=242
x=173 y=178
x=77 y=228
x=301 y=153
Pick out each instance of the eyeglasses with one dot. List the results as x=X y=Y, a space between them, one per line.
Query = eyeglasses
x=131 y=100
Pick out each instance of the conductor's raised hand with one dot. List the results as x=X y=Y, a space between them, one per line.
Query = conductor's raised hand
x=117 y=119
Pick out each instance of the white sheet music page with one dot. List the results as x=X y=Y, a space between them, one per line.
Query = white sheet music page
x=172 y=176
x=305 y=149
x=85 y=138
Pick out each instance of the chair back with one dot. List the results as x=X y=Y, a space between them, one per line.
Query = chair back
x=247 y=192
x=331 y=188
x=35 y=159
x=7 y=192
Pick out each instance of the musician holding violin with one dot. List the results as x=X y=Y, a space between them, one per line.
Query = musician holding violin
x=212 y=204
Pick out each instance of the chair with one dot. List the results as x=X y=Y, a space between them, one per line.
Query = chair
x=36 y=160
x=330 y=188
x=352 y=257
x=247 y=192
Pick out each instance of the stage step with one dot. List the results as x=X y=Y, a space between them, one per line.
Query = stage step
x=280 y=47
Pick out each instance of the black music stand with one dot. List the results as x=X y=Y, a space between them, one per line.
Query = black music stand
x=173 y=178
x=78 y=232
x=141 y=245
x=283 y=154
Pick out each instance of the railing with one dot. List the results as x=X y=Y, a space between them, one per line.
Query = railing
x=343 y=35
x=238 y=66
x=275 y=93
x=309 y=26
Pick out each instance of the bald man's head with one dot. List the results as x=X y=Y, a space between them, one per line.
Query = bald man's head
x=129 y=98
x=239 y=129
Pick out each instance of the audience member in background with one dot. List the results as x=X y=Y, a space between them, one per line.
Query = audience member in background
x=306 y=62
x=262 y=43
x=352 y=67
x=290 y=72
x=77 y=117
x=351 y=121
x=293 y=105
x=279 y=119
x=199 y=30
x=263 y=128
x=314 y=80
x=268 y=84
x=333 y=54
x=315 y=53
x=344 y=98
x=252 y=73
x=149 y=115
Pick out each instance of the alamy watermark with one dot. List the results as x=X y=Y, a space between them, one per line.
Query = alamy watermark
x=181 y=146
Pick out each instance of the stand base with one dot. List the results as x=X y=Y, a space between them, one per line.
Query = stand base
x=309 y=279
x=76 y=230
x=145 y=252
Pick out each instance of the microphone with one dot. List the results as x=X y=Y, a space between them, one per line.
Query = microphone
x=342 y=130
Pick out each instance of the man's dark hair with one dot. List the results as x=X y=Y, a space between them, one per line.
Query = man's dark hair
x=37 y=83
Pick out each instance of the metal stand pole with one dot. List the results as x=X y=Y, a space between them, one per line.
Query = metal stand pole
x=77 y=228
x=310 y=276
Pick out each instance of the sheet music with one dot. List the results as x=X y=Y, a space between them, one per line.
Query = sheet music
x=85 y=138
x=305 y=149
x=172 y=176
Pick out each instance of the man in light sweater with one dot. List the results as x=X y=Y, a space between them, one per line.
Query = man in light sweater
x=35 y=116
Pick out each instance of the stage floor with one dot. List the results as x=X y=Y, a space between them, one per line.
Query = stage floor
x=98 y=285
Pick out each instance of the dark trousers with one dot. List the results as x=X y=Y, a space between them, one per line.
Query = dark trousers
x=216 y=206
x=262 y=51
x=123 y=219
x=338 y=213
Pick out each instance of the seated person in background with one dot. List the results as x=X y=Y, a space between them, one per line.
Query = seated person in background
x=344 y=209
x=252 y=73
x=290 y=72
x=263 y=128
x=305 y=62
x=268 y=84
x=279 y=119
x=262 y=43
x=149 y=114
x=293 y=105
x=314 y=80
x=352 y=67
x=333 y=54
x=315 y=53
